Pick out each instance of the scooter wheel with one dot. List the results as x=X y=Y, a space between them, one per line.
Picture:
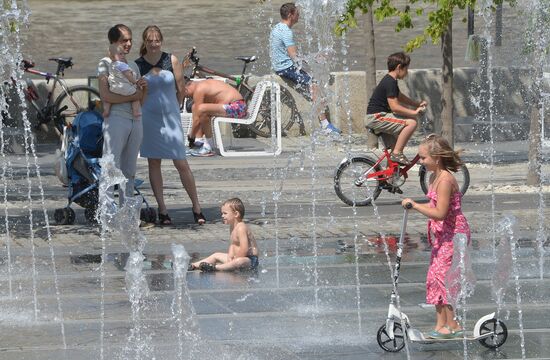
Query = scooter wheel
x=499 y=330
x=391 y=345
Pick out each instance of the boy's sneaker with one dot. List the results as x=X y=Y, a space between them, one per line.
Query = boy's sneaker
x=400 y=158
x=331 y=130
x=206 y=267
x=202 y=152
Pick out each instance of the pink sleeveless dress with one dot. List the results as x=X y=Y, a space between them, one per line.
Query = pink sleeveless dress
x=440 y=237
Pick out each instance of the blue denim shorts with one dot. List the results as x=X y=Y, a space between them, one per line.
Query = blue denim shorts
x=300 y=78
x=254 y=262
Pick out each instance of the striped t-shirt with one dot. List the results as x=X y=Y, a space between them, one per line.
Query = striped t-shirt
x=281 y=38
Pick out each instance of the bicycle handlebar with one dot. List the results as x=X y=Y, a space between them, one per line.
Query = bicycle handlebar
x=191 y=56
x=27 y=64
x=62 y=64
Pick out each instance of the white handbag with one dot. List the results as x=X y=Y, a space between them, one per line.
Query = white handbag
x=60 y=165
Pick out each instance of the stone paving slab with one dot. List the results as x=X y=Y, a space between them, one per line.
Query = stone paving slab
x=298 y=305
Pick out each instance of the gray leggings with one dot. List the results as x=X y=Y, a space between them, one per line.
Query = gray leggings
x=122 y=138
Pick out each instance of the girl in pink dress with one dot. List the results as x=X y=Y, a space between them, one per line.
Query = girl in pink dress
x=445 y=222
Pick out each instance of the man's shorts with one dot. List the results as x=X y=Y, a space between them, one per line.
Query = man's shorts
x=387 y=123
x=236 y=109
x=298 y=79
x=254 y=262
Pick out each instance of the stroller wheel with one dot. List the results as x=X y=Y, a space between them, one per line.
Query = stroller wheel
x=148 y=215
x=90 y=214
x=64 y=216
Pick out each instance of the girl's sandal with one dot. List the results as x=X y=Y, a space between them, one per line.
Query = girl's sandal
x=434 y=334
x=457 y=333
x=164 y=219
x=199 y=218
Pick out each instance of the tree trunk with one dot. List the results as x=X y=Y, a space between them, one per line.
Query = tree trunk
x=533 y=173
x=372 y=140
x=447 y=123
x=498 y=25
x=535 y=126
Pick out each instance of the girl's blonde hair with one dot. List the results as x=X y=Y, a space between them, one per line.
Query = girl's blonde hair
x=438 y=146
x=148 y=29
x=236 y=205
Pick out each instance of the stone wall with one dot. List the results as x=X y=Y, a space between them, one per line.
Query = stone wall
x=347 y=101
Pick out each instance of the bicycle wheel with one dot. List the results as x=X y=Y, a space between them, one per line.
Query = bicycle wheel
x=82 y=98
x=462 y=177
x=351 y=183
x=289 y=113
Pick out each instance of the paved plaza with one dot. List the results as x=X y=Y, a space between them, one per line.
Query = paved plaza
x=323 y=285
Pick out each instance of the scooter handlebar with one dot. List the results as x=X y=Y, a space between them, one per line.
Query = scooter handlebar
x=408 y=206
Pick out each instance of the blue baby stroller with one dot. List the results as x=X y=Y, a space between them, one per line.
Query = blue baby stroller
x=84 y=144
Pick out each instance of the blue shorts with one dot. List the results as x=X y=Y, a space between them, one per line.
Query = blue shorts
x=299 y=78
x=254 y=262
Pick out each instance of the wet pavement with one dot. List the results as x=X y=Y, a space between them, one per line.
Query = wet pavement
x=323 y=285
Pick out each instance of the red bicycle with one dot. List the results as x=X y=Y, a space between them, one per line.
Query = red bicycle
x=359 y=180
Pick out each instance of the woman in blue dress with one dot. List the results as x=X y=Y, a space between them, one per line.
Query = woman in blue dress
x=162 y=131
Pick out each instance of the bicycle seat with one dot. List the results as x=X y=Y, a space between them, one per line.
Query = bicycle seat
x=65 y=62
x=246 y=59
x=27 y=64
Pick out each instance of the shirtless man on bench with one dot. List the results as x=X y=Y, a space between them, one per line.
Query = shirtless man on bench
x=212 y=98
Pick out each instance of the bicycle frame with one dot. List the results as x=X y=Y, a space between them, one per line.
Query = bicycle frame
x=31 y=94
x=240 y=81
x=56 y=80
x=391 y=169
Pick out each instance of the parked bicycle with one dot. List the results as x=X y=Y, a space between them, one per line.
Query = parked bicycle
x=262 y=126
x=71 y=101
x=360 y=179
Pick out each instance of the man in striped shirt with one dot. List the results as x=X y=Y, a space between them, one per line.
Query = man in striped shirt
x=283 y=58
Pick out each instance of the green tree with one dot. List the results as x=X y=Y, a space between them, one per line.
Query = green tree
x=537 y=48
x=370 y=81
x=439 y=15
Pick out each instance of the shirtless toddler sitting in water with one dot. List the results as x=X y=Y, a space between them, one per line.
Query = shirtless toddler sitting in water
x=242 y=252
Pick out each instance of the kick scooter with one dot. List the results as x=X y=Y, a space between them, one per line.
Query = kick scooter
x=488 y=330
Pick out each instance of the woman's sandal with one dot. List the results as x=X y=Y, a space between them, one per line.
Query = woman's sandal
x=199 y=218
x=164 y=219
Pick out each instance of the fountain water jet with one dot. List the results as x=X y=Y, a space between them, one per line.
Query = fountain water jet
x=15 y=15
x=507 y=232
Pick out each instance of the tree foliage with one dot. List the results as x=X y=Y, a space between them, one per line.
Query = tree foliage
x=439 y=14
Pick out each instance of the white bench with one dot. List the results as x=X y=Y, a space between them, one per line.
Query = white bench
x=253 y=110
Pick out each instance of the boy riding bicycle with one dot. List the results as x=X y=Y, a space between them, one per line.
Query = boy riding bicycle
x=390 y=111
